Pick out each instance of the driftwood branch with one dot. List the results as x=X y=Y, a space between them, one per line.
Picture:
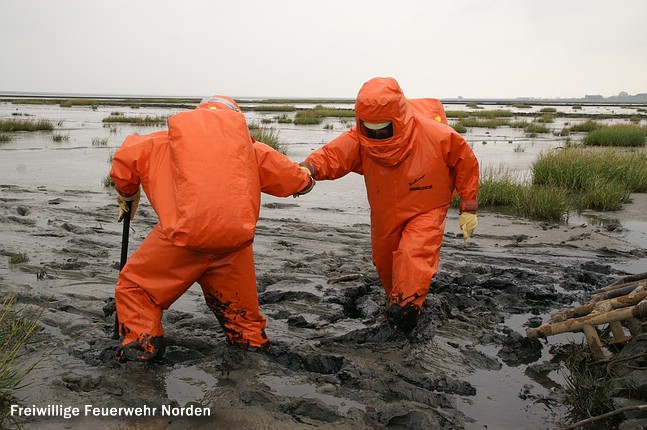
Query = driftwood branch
x=344 y=278
x=604 y=416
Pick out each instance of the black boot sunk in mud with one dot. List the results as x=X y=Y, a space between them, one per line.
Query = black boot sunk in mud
x=404 y=317
x=143 y=350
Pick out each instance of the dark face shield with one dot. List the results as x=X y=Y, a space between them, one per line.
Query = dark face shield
x=377 y=131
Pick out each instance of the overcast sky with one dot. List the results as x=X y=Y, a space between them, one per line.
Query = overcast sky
x=304 y=48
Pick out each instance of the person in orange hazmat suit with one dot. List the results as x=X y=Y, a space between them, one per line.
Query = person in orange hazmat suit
x=203 y=177
x=413 y=164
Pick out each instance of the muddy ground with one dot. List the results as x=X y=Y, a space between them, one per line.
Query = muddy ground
x=334 y=363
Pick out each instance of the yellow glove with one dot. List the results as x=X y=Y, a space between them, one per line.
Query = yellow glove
x=468 y=222
x=123 y=205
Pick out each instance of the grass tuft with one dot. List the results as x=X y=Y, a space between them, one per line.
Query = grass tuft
x=17 y=328
x=580 y=169
x=18 y=258
x=58 y=137
x=617 y=135
x=268 y=136
x=318 y=113
x=147 y=120
x=588 y=387
x=12 y=124
x=99 y=141
x=565 y=180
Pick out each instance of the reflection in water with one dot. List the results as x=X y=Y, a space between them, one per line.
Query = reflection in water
x=308 y=391
x=188 y=384
x=633 y=231
x=508 y=402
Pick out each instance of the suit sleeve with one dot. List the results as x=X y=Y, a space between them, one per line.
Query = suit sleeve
x=279 y=176
x=337 y=158
x=463 y=162
x=127 y=164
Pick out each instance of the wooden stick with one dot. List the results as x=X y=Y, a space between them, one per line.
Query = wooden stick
x=603 y=416
x=344 y=278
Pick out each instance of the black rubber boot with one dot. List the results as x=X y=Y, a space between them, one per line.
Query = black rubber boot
x=404 y=317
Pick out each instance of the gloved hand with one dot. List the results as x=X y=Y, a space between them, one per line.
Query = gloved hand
x=123 y=205
x=309 y=188
x=468 y=222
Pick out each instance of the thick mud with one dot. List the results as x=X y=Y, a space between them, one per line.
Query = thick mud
x=333 y=363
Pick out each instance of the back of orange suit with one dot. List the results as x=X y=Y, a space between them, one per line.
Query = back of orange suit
x=203 y=177
x=410 y=180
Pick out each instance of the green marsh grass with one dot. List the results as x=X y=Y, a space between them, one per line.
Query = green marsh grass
x=530 y=128
x=58 y=137
x=107 y=181
x=457 y=114
x=493 y=113
x=508 y=192
x=334 y=112
x=499 y=187
x=588 y=387
x=307 y=117
x=617 y=135
x=519 y=148
x=585 y=127
x=5 y=137
x=79 y=102
x=13 y=124
x=604 y=195
x=572 y=179
x=133 y=103
x=18 y=258
x=483 y=122
x=283 y=119
x=99 y=141
x=578 y=168
x=147 y=120
x=458 y=127
x=268 y=136
x=599 y=180
x=543 y=203
x=271 y=108
x=546 y=118
x=17 y=329
x=536 y=128
x=318 y=113
x=27 y=101
x=253 y=125
x=482 y=114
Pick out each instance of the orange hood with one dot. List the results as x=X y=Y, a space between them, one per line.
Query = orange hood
x=380 y=100
x=218 y=102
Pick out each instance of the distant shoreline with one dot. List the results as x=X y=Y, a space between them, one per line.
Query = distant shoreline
x=639 y=99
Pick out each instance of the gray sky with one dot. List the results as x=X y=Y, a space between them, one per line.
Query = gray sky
x=302 y=48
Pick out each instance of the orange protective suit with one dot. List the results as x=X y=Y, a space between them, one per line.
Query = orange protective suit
x=203 y=177
x=410 y=180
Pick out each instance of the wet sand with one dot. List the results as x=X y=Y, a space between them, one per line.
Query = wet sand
x=334 y=363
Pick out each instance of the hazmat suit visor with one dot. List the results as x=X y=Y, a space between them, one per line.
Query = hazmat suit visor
x=379 y=131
